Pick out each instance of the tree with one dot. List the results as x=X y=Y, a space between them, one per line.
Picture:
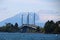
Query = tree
x=49 y=27
x=16 y=27
x=38 y=29
x=16 y=24
x=46 y=27
x=57 y=27
x=9 y=27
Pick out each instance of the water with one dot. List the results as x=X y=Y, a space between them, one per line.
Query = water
x=28 y=36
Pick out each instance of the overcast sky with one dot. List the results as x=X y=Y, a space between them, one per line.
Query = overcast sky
x=45 y=9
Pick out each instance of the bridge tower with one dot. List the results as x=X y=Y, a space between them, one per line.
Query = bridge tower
x=34 y=18
x=22 y=19
x=28 y=19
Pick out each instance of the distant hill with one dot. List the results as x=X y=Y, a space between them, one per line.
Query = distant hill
x=12 y=20
x=17 y=18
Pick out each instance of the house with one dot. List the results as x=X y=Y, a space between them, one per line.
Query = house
x=28 y=28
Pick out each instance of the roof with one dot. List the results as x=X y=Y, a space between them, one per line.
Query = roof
x=30 y=25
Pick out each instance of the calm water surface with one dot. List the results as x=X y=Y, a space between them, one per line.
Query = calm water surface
x=28 y=36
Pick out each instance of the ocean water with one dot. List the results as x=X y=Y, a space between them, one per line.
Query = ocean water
x=28 y=36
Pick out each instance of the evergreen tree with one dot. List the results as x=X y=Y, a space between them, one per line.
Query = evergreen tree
x=38 y=29
x=16 y=24
x=16 y=27
x=49 y=27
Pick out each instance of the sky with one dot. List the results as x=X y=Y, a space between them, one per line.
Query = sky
x=45 y=9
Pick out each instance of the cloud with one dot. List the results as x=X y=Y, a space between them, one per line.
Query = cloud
x=9 y=8
x=45 y=15
x=45 y=18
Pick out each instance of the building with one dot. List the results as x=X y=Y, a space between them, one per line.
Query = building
x=28 y=28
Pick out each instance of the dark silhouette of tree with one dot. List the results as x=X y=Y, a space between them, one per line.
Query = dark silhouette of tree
x=16 y=27
x=16 y=24
x=57 y=29
x=38 y=29
x=49 y=27
x=46 y=27
x=9 y=27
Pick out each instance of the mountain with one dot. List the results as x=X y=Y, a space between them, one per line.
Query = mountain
x=17 y=18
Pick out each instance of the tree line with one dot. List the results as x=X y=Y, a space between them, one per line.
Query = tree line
x=9 y=28
x=50 y=27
